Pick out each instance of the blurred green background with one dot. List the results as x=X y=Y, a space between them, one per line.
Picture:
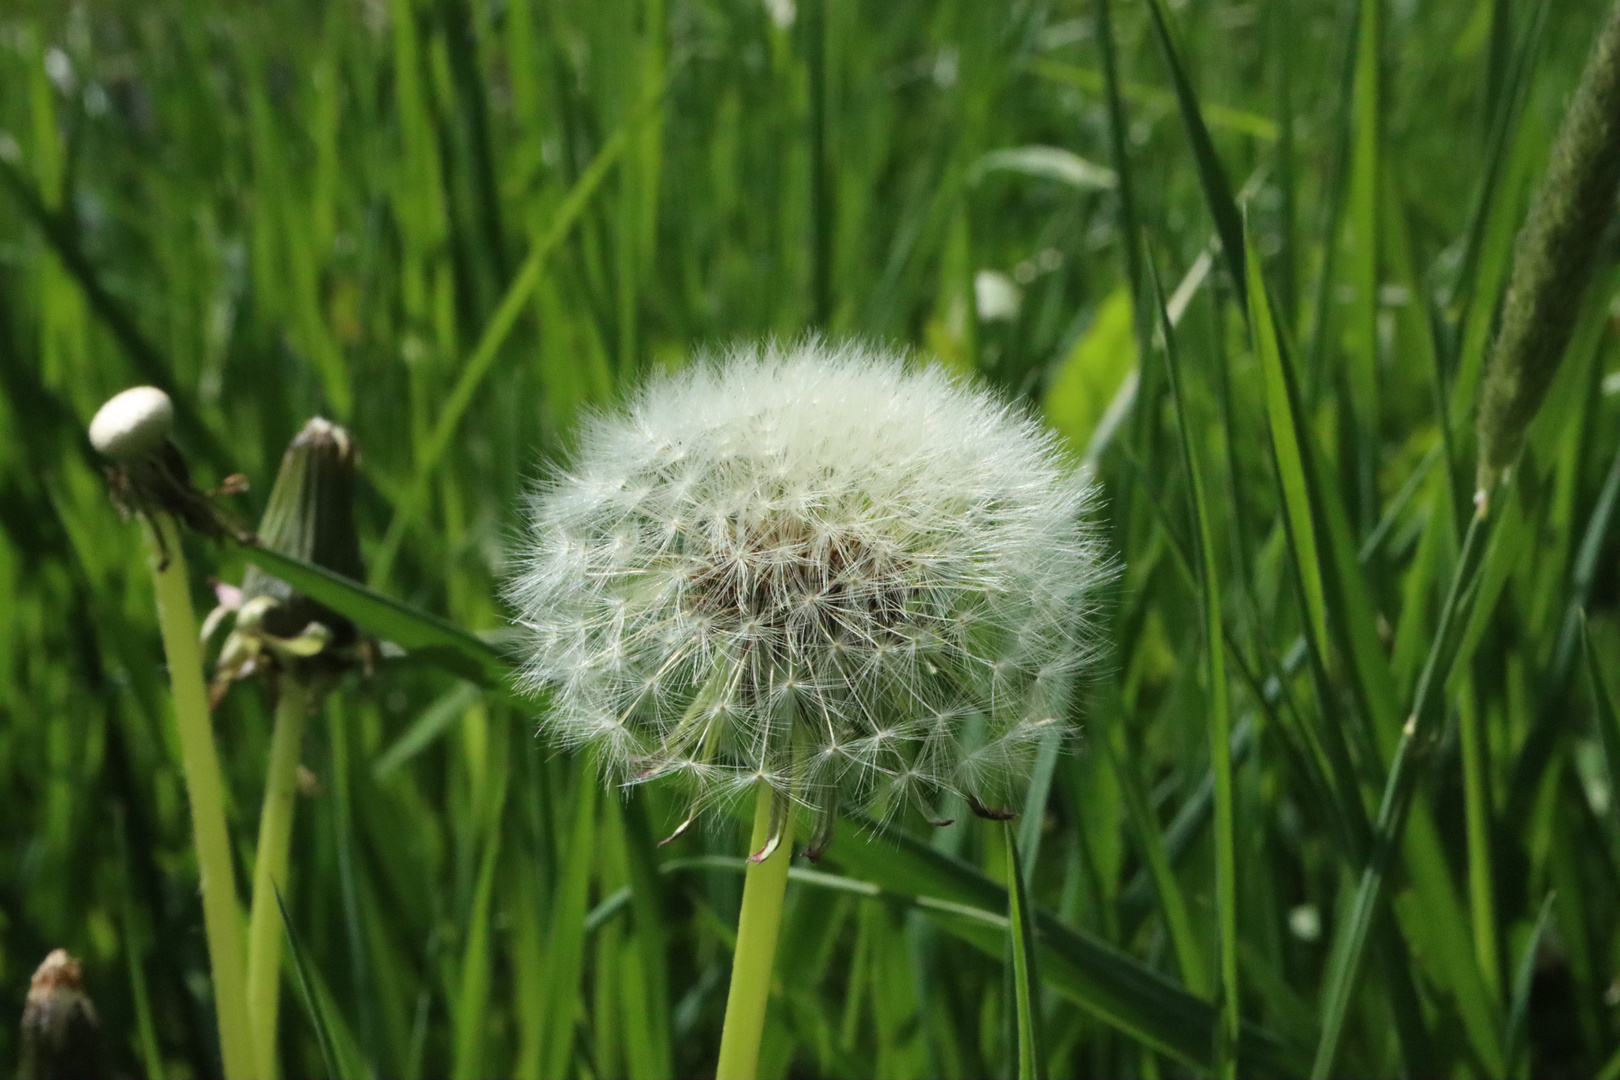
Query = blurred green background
x=453 y=224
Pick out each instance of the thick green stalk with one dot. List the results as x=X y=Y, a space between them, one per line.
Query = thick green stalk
x=763 y=890
x=270 y=872
x=205 y=790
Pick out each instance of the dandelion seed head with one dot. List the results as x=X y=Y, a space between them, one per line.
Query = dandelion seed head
x=859 y=580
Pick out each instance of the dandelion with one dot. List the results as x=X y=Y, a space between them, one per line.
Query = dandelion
x=148 y=478
x=859 y=582
x=821 y=573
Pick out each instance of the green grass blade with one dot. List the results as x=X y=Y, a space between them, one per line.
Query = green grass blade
x=1172 y=898
x=149 y=363
x=1308 y=523
x=1211 y=173
x=330 y=1035
x=434 y=721
x=316 y=1016
x=1400 y=787
x=1220 y=719
x=1540 y=743
x=814 y=15
x=1334 y=198
x=1118 y=144
x=472 y=1005
x=1363 y=225
x=1523 y=978
x=1487 y=243
x=1477 y=819
x=632 y=999
x=423 y=634
x=1605 y=713
x=1282 y=412
x=1111 y=985
x=1195 y=812
x=499 y=327
x=1220 y=117
x=1026 y=983
x=565 y=954
x=151 y=1056
x=1033 y=818
x=1338 y=599
x=1281 y=40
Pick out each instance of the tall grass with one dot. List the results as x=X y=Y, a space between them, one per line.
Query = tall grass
x=453 y=225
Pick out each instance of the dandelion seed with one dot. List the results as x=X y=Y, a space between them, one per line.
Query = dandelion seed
x=871 y=556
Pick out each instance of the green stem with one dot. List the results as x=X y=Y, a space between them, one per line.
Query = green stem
x=1229 y=1026
x=270 y=872
x=222 y=917
x=763 y=889
x=1477 y=808
x=1417 y=738
x=1026 y=1033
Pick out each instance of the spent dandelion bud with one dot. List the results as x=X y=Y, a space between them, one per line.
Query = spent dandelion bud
x=301 y=646
x=310 y=516
x=146 y=472
x=856 y=580
x=133 y=423
x=1553 y=259
x=61 y=1035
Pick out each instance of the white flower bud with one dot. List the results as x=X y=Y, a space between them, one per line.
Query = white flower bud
x=132 y=424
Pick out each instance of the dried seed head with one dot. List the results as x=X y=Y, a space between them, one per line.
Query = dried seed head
x=61 y=1035
x=132 y=424
x=852 y=578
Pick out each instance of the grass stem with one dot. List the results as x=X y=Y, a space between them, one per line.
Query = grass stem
x=763 y=890
x=1230 y=1025
x=222 y=917
x=270 y=872
x=1417 y=739
x=1477 y=815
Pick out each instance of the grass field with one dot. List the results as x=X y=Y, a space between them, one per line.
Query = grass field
x=452 y=225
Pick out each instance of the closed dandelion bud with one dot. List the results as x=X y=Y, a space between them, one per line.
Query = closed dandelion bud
x=310 y=516
x=1553 y=259
x=61 y=1035
x=857 y=581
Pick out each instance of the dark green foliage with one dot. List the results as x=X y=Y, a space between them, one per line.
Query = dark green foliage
x=451 y=225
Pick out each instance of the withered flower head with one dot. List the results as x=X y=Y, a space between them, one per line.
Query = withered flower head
x=61 y=1034
x=145 y=471
x=310 y=516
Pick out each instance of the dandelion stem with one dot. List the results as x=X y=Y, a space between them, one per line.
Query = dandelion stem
x=270 y=872
x=205 y=790
x=763 y=889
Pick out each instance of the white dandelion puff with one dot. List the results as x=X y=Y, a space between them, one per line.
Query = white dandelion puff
x=853 y=578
